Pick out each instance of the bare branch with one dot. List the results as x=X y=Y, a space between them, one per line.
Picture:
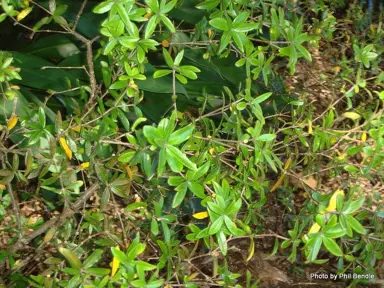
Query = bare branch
x=67 y=213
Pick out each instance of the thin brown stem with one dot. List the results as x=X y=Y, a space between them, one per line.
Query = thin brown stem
x=79 y=15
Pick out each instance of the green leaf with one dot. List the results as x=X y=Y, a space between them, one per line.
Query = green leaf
x=215 y=208
x=197 y=189
x=151 y=26
x=118 y=85
x=179 y=57
x=93 y=258
x=181 y=135
x=109 y=46
x=98 y=271
x=266 y=137
x=190 y=67
x=335 y=231
x=180 y=195
x=127 y=156
x=134 y=251
x=239 y=41
x=219 y=23
x=120 y=256
x=182 y=79
x=144 y=266
x=154 y=5
x=231 y=226
x=246 y=27
x=175 y=180
x=168 y=7
x=125 y=17
x=201 y=171
x=216 y=226
x=103 y=7
x=168 y=23
x=161 y=73
x=151 y=133
x=168 y=58
x=234 y=207
x=222 y=241
x=138 y=122
x=304 y=52
x=241 y=18
x=208 y=5
x=129 y=41
x=262 y=98
x=314 y=244
x=41 y=116
x=355 y=224
x=162 y=161
x=354 y=206
x=71 y=257
x=179 y=156
x=332 y=246
x=154 y=227
x=135 y=206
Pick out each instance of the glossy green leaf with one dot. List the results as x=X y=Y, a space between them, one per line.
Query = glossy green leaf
x=355 y=224
x=180 y=195
x=179 y=156
x=216 y=226
x=332 y=246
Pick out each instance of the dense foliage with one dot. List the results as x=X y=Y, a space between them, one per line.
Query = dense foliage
x=144 y=143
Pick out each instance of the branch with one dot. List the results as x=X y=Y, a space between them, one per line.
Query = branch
x=79 y=15
x=67 y=213
x=15 y=203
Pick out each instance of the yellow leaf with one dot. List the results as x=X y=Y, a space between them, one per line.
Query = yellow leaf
x=49 y=234
x=115 y=264
x=212 y=151
x=193 y=276
x=332 y=201
x=209 y=33
x=84 y=165
x=251 y=250
x=24 y=13
x=148 y=15
x=336 y=69
x=309 y=127
x=12 y=122
x=372 y=27
x=200 y=215
x=165 y=43
x=352 y=115
x=2 y=187
x=76 y=128
x=129 y=172
x=342 y=156
x=287 y=164
x=66 y=148
x=278 y=183
x=133 y=85
x=314 y=229
x=364 y=137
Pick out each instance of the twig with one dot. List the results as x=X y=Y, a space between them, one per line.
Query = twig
x=57 y=222
x=65 y=67
x=79 y=14
x=15 y=204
